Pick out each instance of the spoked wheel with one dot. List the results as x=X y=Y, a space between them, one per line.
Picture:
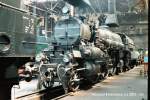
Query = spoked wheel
x=45 y=80
x=39 y=85
x=104 y=74
x=73 y=83
x=120 y=69
x=126 y=66
x=120 y=66
x=48 y=79
x=124 y=69
x=112 y=71
x=132 y=66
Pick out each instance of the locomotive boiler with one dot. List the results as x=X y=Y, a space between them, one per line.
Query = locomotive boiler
x=112 y=44
x=16 y=43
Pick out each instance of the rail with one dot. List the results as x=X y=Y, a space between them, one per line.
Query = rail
x=48 y=94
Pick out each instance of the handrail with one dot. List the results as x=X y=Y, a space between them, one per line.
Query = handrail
x=11 y=7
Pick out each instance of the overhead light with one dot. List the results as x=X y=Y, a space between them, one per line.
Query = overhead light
x=87 y=1
x=26 y=2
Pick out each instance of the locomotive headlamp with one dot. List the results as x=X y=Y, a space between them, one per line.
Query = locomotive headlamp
x=65 y=10
x=4 y=43
x=66 y=59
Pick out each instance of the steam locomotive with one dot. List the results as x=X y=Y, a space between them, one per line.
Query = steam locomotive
x=78 y=53
x=17 y=43
x=81 y=52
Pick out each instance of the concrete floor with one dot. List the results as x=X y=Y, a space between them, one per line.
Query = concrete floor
x=26 y=88
x=130 y=85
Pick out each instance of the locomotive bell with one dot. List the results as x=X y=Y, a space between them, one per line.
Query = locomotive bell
x=111 y=20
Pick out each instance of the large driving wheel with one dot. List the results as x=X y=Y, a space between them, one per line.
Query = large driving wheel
x=104 y=73
x=120 y=66
x=48 y=79
x=45 y=77
x=73 y=83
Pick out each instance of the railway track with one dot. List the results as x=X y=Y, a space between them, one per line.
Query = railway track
x=46 y=94
x=54 y=93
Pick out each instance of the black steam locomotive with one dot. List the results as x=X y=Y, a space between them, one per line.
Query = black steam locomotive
x=17 y=43
x=80 y=53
